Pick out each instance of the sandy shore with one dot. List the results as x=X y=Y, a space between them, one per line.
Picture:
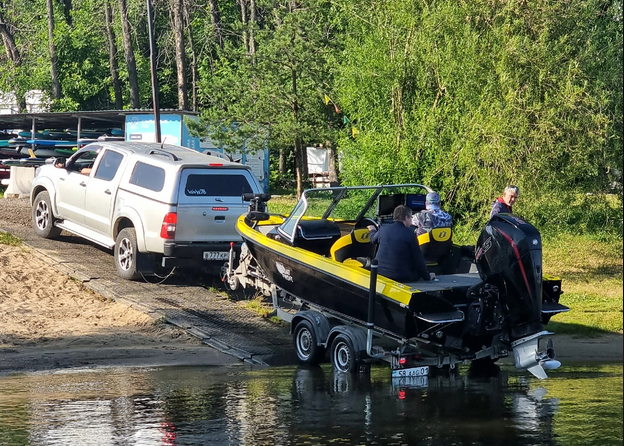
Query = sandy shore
x=49 y=321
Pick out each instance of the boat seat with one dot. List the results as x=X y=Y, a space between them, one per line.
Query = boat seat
x=354 y=249
x=316 y=235
x=436 y=245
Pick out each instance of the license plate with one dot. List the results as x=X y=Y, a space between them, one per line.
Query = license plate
x=414 y=371
x=410 y=382
x=216 y=255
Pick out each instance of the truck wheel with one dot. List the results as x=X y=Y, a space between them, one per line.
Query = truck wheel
x=343 y=354
x=126 y=253
x=306 y=346
x=43 y=218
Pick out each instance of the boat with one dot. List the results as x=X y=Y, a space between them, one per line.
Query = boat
x=488 y=301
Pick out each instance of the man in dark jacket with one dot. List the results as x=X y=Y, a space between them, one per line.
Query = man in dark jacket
x=399 y=254
x=503 y=204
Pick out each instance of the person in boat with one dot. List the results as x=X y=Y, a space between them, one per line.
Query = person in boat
x=432 y=216
x=399 y=255
x=504 y=204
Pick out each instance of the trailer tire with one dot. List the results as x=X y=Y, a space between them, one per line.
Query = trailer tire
x=343 y=357
x=306 y=344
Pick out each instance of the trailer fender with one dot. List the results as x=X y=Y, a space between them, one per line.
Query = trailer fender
x=357 y=336
x=319 y=323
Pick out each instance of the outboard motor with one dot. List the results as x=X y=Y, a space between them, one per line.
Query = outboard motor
x=509 y=256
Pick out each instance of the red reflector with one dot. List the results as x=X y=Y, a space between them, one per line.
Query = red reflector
x=168 y=228
x=216 y=164
x=402 y=361
x=401 y=394
x=219 y=209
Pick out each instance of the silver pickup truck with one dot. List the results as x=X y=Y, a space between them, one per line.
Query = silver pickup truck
x=150 y=203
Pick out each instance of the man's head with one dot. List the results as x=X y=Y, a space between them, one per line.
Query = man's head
x=432 y=201
x=511 y=195
x=403 y=214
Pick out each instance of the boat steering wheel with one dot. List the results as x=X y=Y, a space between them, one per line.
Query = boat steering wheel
x=365 y=222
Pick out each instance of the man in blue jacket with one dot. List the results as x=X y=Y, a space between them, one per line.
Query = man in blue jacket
x=503 y=204
x=399 y=254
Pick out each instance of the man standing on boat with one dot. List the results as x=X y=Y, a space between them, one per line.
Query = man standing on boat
x=399 y=254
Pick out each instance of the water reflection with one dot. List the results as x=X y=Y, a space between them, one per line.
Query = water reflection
x=314 y=406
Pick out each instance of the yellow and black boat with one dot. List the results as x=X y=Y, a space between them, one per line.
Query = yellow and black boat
x=318 y=265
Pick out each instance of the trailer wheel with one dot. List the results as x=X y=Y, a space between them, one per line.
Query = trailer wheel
x=306 y=345
x=343 y=354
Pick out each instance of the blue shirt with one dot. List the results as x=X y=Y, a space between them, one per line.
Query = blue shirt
x=399 y=254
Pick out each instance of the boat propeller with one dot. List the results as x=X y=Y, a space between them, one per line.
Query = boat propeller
x=528 y=357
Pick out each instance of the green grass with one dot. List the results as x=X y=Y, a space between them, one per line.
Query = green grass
x=9 y=239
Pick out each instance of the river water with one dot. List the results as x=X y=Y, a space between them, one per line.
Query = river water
x=577 y=405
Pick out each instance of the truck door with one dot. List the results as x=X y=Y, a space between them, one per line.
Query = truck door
x=72 y=186
x=101 y=191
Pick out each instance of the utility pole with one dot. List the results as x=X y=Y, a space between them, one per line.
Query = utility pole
x=150 y=21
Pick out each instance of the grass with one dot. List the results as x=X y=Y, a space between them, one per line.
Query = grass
x=9 y=239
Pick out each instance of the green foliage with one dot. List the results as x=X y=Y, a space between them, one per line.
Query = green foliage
x=9 y=239
x=470 y=97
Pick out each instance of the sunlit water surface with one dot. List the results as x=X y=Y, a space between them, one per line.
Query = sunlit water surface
x=577 y=405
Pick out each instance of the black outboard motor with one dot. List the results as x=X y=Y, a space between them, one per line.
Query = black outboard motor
x=509 y=256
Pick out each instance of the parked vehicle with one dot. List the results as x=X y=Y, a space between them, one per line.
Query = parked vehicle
x=150 y=203
x=485 y=303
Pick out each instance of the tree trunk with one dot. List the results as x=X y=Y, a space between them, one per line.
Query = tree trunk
x=243 y=7
x=252 y=24
x=215 y=18
x=178 y=31
x=56 y=85
x=112 y=56
x=14 y=55
x=282 y=162
x=193 y=58
x=130 y=61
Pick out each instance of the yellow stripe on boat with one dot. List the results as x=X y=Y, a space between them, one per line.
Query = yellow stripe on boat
x=356 y=275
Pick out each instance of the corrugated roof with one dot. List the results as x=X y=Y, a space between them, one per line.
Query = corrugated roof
x=97 y=119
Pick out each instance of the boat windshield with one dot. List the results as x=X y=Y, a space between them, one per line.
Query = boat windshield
x=352 y=204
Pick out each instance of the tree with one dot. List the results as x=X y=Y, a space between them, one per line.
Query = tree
x=129 y=53
x=56 y=86
x=112 y=55
x=180 y=51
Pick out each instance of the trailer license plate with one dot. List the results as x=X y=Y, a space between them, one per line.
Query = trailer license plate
x=216 y=255
x=414 y=371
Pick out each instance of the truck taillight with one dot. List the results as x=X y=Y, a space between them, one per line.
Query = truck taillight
x=167 y=231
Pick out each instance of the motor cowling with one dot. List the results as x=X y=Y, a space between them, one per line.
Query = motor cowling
x=509 y=256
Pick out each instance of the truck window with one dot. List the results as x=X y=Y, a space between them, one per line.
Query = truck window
x=148 y=176
x=220 y=185
x=107 y=169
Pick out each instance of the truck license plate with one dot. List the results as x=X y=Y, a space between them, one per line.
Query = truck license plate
x=410 y=382
x=216 y=255
x=414 y=371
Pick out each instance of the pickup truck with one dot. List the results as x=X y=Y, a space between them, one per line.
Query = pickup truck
x=152 y=204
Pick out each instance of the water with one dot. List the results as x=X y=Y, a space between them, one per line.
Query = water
x=577 y=405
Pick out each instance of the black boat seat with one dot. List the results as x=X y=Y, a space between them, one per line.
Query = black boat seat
x=436 y=245
x=354 y=249
x=316 y=235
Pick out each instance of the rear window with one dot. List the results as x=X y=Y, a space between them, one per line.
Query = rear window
x=148 y=176
x=222 y=185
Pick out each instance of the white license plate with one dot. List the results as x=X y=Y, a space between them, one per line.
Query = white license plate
x=216 y=255
x=414 y=371
x=410 y=382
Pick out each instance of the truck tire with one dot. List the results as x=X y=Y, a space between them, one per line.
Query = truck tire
x=43 y=218
x=343 y=354
x=306 y=344
x=126 y=253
